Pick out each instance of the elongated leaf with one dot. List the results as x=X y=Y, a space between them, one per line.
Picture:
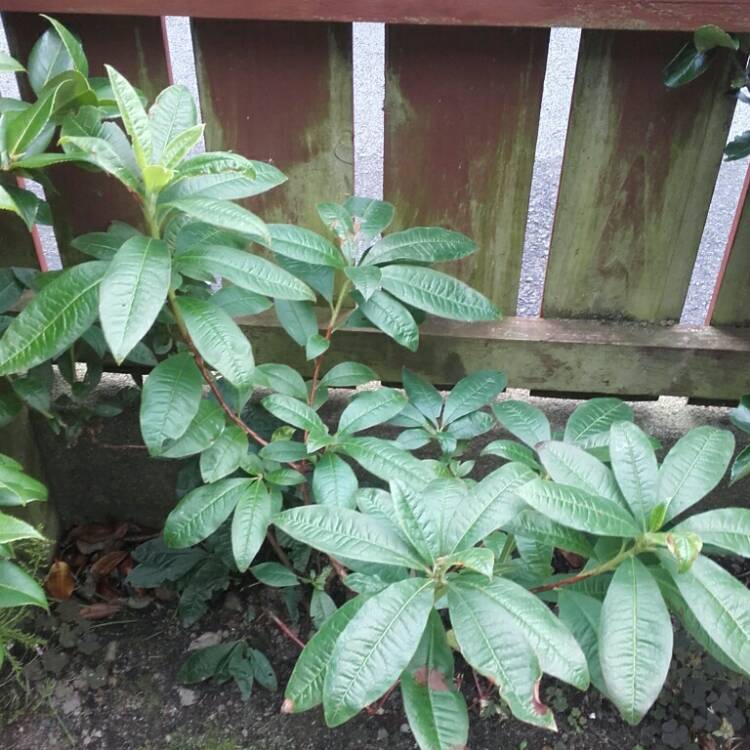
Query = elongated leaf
x=594 y=417
x=346 y=533
x=201 y=434
x=281 y=379
x=423 y=395
x=334 y=482
x=252 y=516
x=17 y=488
x=372 y=216
x=436 y=710
x=741 y=465
x=18 y=588
x=347 y=375
x=225 y=455
x=72 y=46
x=133 y=115
x=578 y=509
x=53 y=320
x=635 y=468
x=248 y=271
x=635 y=640
x=305 y=687
x=391 y=317
x=531 y=524
x=170 y=400
x=558 y=652
x=727 y=528
x=294 y=412
x=720 y=604
x=581 y=614
x=226 y=215
x=512 y=451
x=421 y=245
x=297 y=318
x=472 y=393
x=686 y=66
x=238 y=302
x=492 y=643
x=219 y=340
x=523 y=421
x=492 y=503
x=385 y=460
x=133 y=292
x=568 y=464
x=693 y=467
x=366 y=279
x=173 y=113
x=102 y=154
x=12 y=529
x=437 y=293
x=303 y=245
x=47 y=59
x=23 y=129
x=370 y=408
x=203 y=510
x=375 y=647
x=9 y=64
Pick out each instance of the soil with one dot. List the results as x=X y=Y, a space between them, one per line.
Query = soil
x=111 y=685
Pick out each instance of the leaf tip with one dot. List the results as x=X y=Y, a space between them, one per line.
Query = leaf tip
x=287 y=707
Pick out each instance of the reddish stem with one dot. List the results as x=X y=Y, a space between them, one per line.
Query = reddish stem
x=564 y=582
x=284 y=628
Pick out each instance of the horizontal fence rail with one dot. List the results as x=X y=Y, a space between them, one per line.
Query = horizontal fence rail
x=463 y=91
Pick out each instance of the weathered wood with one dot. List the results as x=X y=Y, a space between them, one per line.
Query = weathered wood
x=461 y=117
x=84 y=201
x=560 y=356
x=616 y=14
x=637 y=179
x=281 y=93
x=730 y=304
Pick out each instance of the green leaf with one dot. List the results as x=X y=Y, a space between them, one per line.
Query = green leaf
x=348 y=375
x=472 y=393
x=478 y=559
x=284 y=451
x=23 y=203
x=23 y=129
x=10 y=289
x=219 y=340
x=523 y=421
x=492 y=643
x=104 y=245
x=72 y=46
x=371 y=216
x=203 y=510
x=133 y=115
x=133 y=292
x=581 y=614
x=225 y=455
x=48 y=59
x=248 y=271
x=252 y=516
x=18 y=588
x=205 y=663
x=510 y=450
x=53 y=319
x=710 y=36
x=337 y=219
x=686 y=66
x=738 y=147
x=239 y=303
x=172 y=114
x=578 y=509
x=13 y=529
x=693 y=467
x=570 y=465
x=635 y=640
x=375 y=647
x=727 y=528
x=297 y=319
x=423 y=395
x=17 y=488
x=9 y=64
x=281 y=379
x=226 y=215
x=720 y=603
x=594 y=417
x=436 y=710
x=294 y=412
x=366 y=279
x=421 y=245
x=304 y=245
x=202 y=432
x=635 y=468
x=492 y=503
x=741 y=466
x=319 y=278
x=170 y=400
x=531 y=524
x=740 y=416
x=274 y=574
x=321 y=607
x=101 y=153
x=334 y=482
x=370 y=408
x=346 y=533
x=437 y=293
x=305 y=687
x=558 y=652
x=391 y=317
x=385 y=460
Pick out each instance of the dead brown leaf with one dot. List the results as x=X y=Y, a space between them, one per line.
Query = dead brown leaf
x=99 y=611
x=107 y=563
x=60 y=582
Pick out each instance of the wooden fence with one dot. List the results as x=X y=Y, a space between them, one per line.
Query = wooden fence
x=462 y=101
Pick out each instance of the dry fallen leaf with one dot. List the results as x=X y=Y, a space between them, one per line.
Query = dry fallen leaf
x=107 y=563
x=99 y=611
x=60 y=583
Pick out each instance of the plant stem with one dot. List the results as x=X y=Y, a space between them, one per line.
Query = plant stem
x=271 y=537
x=284 y=628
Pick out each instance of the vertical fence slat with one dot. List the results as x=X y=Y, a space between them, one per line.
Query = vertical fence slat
x=282 y=93
x=85 y=201
x=461 y=116
x=640 y=166
x=730 y=304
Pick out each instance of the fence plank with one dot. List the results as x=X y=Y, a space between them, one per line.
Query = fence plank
x=281 y=93
x=561 y=356
x=133 y=45
x=461 y=116
x=639 y=171
x=730 y=304
x=614 y=14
